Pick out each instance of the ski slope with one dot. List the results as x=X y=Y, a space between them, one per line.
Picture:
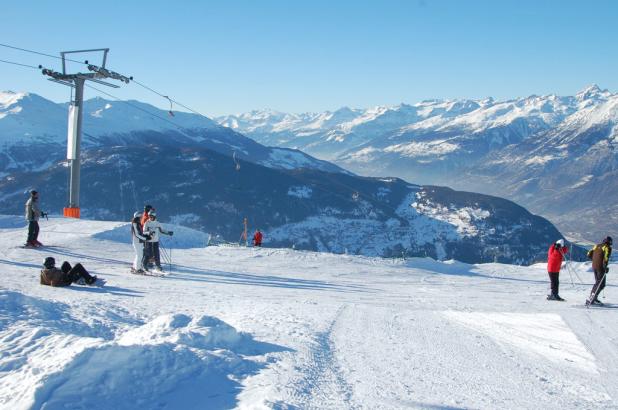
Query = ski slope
x=246 y=328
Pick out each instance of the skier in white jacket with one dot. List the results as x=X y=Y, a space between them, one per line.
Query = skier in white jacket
x=138 y=239
x=152 y=227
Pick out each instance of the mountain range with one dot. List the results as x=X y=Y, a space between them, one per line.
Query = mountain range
x=206 y=176
x=556 y=155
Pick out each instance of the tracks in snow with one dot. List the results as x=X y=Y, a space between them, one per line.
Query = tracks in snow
x=323 y=384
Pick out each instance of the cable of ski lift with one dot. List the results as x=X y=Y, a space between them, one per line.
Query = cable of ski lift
x=182 y=129
x=19 y=64
x=107 y=73
x=40 y=53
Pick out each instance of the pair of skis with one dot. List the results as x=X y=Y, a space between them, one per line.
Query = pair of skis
x=155 y=273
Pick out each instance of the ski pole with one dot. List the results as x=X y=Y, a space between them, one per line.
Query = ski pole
x=171 y=247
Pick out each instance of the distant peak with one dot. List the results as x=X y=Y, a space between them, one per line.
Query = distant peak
x=593 y=91
x=10 y=97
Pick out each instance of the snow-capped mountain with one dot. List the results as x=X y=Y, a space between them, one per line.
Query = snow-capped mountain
x=300 y=208
x=33 y=131
x=449 y=142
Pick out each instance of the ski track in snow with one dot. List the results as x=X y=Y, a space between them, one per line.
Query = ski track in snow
x=323 y=385
x=276 y=328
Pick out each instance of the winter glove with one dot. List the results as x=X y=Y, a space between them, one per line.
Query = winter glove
x=148 y=236
x=171 y=233
x=606 y=270
x=589 y=254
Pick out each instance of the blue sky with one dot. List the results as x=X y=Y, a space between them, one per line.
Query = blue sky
x=222 y=57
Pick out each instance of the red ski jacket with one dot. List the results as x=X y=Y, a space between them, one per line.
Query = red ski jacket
x=554 y=257
x=257 y=239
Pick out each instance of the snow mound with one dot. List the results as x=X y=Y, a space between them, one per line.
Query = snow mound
x=60 y=361
x=184 y=238
x=174 y=361
x=204 y=333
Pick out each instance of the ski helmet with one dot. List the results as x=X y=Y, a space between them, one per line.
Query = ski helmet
x=137 y=214
x=560 y=242
x=33 y=193
x=49 y=262
x=147 y=208
x=608 y=240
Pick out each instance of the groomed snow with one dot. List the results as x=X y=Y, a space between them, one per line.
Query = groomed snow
x=246 y=328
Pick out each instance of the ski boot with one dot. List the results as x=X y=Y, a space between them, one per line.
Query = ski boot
x=555 y=297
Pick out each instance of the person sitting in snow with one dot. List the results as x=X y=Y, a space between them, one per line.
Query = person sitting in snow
x=52 y=276
x=600 y=255
x=257 y=238
x=139 y=240
x=555 y=254
x=153 y=227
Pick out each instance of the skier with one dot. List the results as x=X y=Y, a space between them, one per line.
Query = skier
x=152 y=227
x=554 y=260
x=33 y=213
x=147 y=248
x=52 y=276
x=257 y=238
x=139 y=240
x=147 y=208
x=600 y=255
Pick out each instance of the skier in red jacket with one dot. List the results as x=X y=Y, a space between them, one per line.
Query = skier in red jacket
x=257 y=238
x=555 y=255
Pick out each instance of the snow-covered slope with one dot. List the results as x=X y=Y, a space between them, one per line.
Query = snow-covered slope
x=489 y=146
x=33 y=130
x=275 y=328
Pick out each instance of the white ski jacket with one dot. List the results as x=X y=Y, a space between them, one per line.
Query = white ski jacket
x=33 y=212
x=153 y=228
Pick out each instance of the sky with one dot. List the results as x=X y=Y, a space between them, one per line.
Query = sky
x=225 y=57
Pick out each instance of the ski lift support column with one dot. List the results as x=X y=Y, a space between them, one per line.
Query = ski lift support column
x=74 y=134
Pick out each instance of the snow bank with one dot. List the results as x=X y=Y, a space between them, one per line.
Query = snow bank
x=175 y=361
x=184 y=238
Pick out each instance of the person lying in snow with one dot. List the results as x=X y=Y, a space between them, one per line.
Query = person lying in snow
x=52 y=276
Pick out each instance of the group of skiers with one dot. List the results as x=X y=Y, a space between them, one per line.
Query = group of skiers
x=145 y=231
x=600 y=255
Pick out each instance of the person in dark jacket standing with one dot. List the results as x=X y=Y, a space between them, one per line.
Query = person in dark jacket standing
x=555 y=254
x=52 y=276
x=147 y=255
x=33 y=213
x=600 y=255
